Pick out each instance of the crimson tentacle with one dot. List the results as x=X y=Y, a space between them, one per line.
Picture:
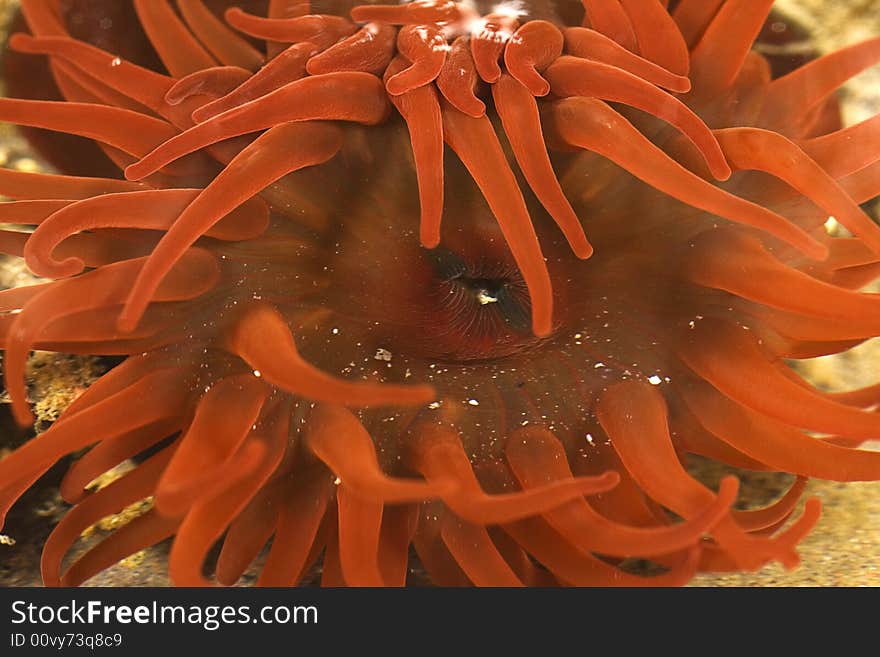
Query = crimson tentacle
x=288 y=66
x=178 y=49
x=261 y=163
x=369 y=50
x=522 y=125
x=343 y=96
x=458 y=79
x=609 y=18
x=321 y=29
x=264 y=341
x=570 y=76
x=591 y=124
x=132 y=487
x=420 y=109
x=476 y=144
x=589 y=44
x=229 y=48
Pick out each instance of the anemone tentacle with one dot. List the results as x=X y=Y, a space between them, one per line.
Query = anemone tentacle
x=344 y=339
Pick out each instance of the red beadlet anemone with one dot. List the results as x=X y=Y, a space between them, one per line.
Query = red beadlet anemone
x=472 y=280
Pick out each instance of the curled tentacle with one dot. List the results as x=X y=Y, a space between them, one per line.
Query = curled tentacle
x=522 y=125
x=570 y=76
x=195 y=273
x=634 y=416
x=344 y=96
x=338 y=438
x=475 y=142
x=132 y=487
x=286 y=67
x=156 y=209
x=323 y=30
x=253 y=169
x=533 y=47
x=488 y=40
x=536 y=456
x=576 y=567
x=458 y=79
x=211 y=514
x=425 y=47
x=369 y=50
x=753 y=148
x=263 y=340
x=412 y=13
x=591 y=124
x=440 y=456
x=421 y=111
x=589 y=44
x=213 y=82
x=195 y=470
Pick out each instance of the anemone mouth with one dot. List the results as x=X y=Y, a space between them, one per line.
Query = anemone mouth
x=363 y=308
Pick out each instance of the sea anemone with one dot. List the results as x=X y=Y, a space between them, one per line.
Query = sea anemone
x=423 y=275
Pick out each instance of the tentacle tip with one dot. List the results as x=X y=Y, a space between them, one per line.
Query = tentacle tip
x=728 y=489
x=136 y=171
x=21 y=411
x=360 y=14
x=542 y=326
x=169 y=504
x=424 y=393
x=174 y=96
x=608 y=480
x=21 y=42
x=817 y=250
x=812 y=511
x=539 y=87
x=128 y=319
x=681 y=85
x=233 y=13
x=721 y=171
x=74 y=495
x=790 y=560
x=583 y=251
x=200 y=116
